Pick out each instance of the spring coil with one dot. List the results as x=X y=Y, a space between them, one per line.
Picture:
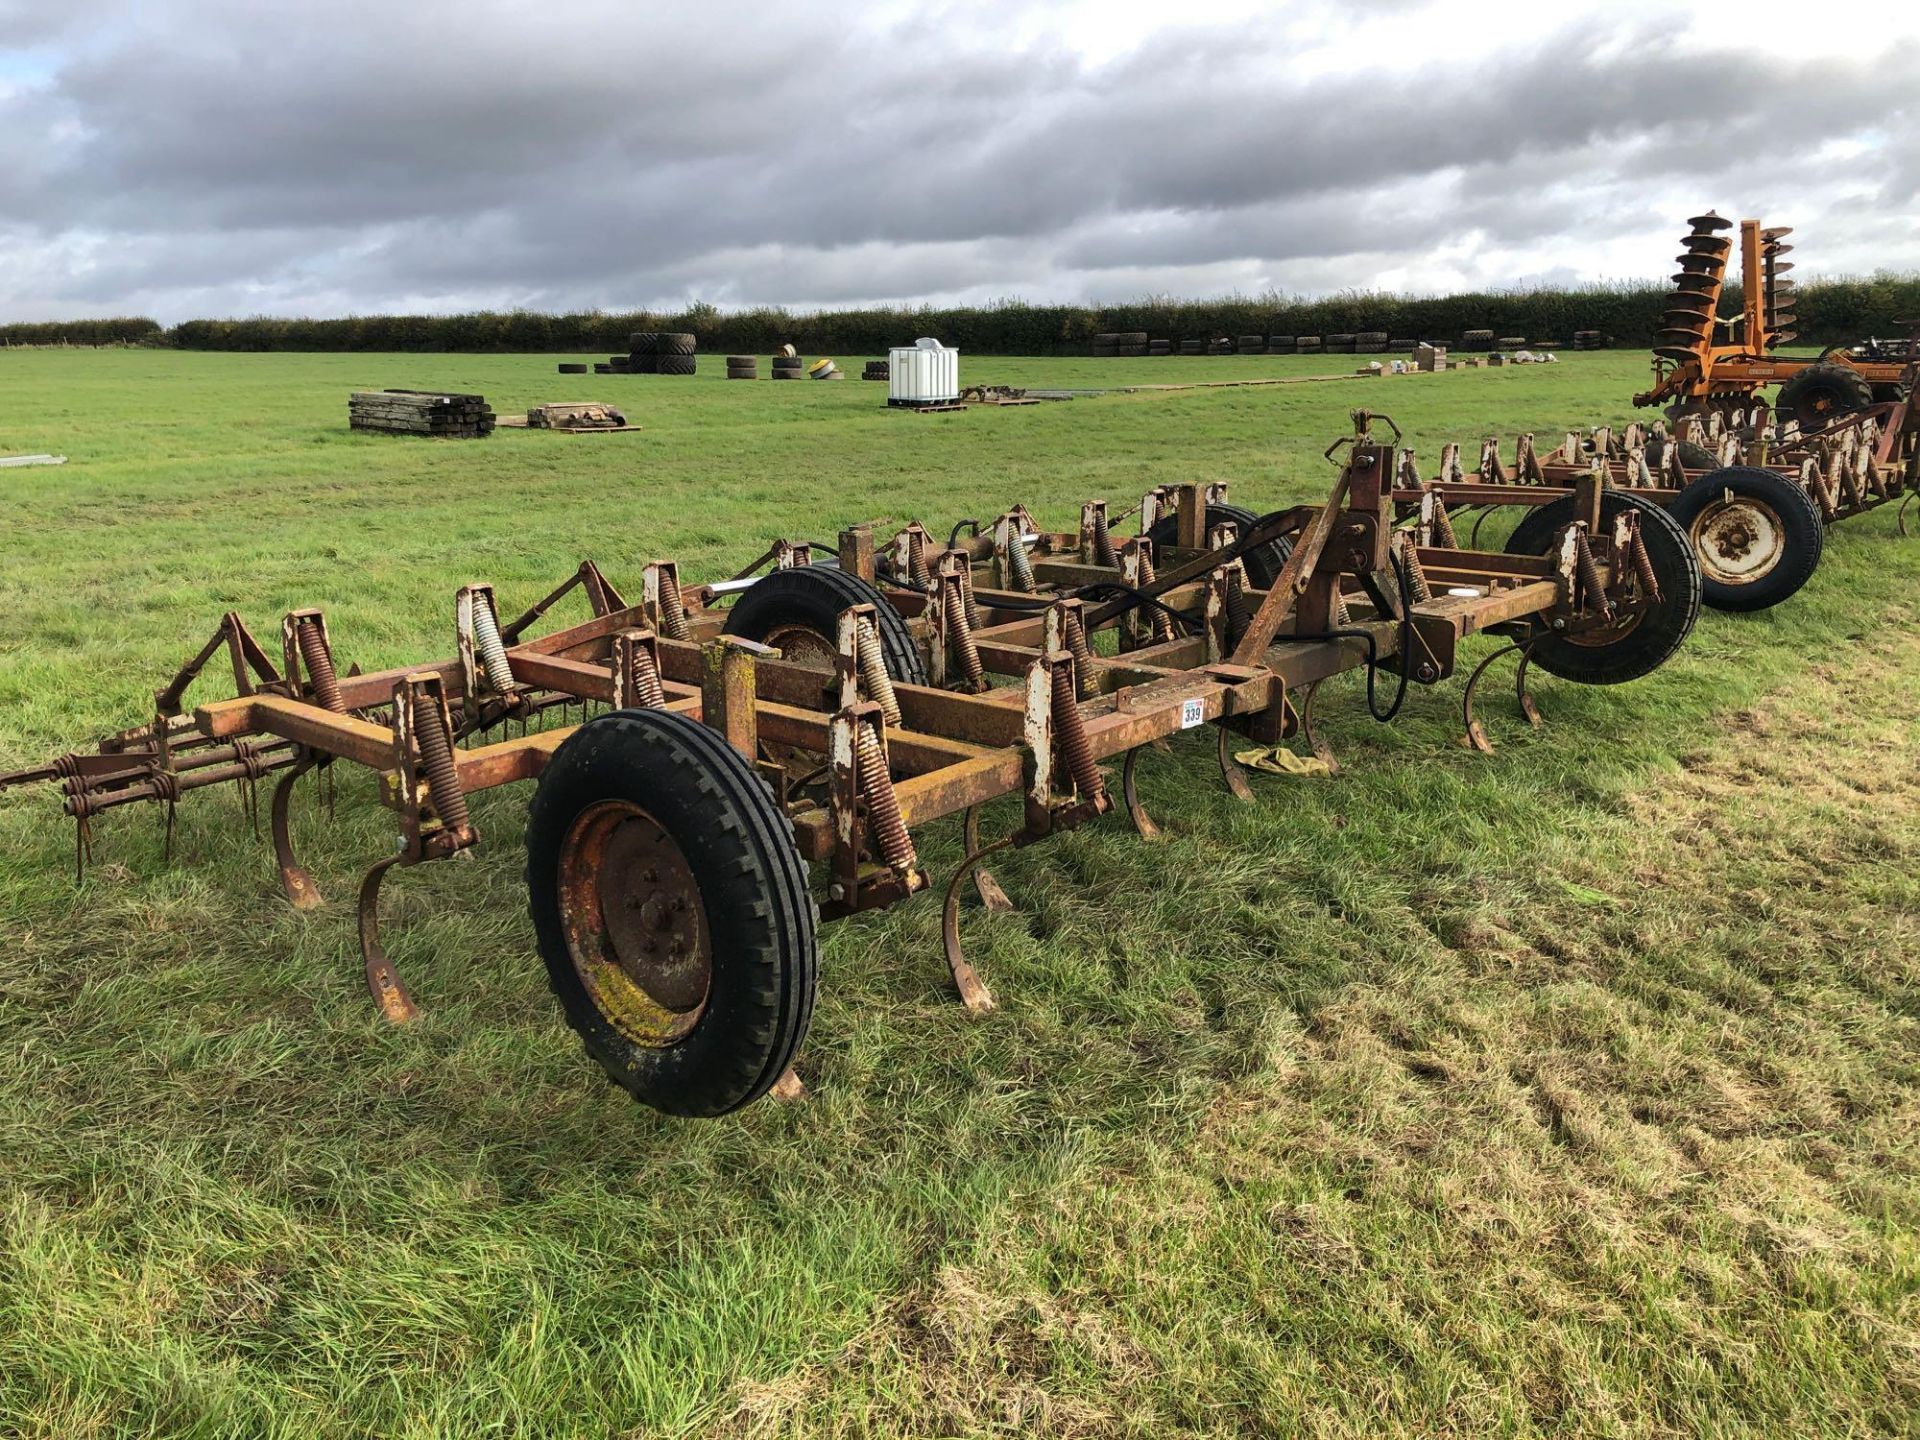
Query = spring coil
x=917 y=575
x=1019 y=564
x=1162 y=622
x=1239 y=608
x=1070 y=739
x=673 y=611
x=960 y=634
x=436 y=758
x=1416 y=572
x=1443 y=526
x=1643 y=564
x=313 y=651
x=1102 y=540
x=873 y=670
x=1076 y=636
x=493 y=650
x=1590 y=587
x=883 y=809
x=645 y=676
x=966 y=593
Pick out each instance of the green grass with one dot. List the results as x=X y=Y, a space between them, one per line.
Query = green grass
x=1569 y=1090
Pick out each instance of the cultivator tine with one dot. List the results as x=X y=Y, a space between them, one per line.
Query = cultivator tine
x=297 y=884
x=383 y=981
x=1130 y=796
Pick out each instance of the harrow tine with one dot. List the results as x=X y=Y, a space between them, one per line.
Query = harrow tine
x=991 y=895
x=1130 y=795
x=1236 y=777
x=1476 y=735
x=1321 y=749
x=383 y=981
x=300 y=890
x=973 y=991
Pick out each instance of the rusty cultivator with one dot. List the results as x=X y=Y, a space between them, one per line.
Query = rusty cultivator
x=1754 y=497
x=821 y=713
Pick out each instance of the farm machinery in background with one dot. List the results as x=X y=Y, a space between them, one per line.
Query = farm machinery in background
x=1703 y=363
x=1754 y=492
x=730 y=734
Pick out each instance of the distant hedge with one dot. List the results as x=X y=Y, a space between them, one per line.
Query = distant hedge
x=136 y=330
x=1830 y=311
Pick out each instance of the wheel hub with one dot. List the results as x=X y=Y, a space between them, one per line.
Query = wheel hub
x=1738 y=540
x=635 y=924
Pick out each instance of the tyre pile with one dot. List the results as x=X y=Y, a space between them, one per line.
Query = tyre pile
x=659 y=352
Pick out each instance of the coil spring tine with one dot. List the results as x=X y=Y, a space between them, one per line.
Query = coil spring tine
x=1070 y=735
x=673 y=611
x=1589 y=573
x=319 y=663
x=873 y=670
x=889 y=831
x=492 y=649
x=1089 y=683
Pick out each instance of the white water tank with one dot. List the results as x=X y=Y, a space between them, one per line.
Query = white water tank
x=924 y=374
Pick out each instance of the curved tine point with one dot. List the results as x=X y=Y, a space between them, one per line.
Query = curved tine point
x=1230 y=770
x=973 y=991
x=1476 y=736
x=1520 y=691
x=991 y=895
x=1136 y=812
x=383 y=981
x=300 y=890
x=1321 y=749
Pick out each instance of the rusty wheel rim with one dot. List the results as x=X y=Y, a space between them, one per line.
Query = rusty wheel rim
x=635 y=924
x=1739 y=540
x=804 y=646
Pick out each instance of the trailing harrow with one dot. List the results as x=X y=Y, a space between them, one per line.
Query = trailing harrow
x=733 y=734
x=1754 y=496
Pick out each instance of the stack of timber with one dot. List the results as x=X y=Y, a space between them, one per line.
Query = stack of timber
x=421 y=412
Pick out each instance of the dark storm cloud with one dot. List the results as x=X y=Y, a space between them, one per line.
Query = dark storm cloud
x=231 y=158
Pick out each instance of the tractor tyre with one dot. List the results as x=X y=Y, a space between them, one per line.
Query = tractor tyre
x=797 y=611
x=1637 y=646
x=1757 y=534
x=1263 y=564
x=672 y=911
x=1823 y=393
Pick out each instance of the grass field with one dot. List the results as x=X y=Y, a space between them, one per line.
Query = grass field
x=1571 y=1090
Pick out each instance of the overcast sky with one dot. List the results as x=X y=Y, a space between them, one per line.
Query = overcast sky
x=231 y=157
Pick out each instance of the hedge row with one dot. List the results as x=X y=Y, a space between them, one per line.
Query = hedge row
x=1830 y=311
x=135 y=330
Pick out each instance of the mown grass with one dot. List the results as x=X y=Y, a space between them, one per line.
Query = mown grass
x=1568 y=1090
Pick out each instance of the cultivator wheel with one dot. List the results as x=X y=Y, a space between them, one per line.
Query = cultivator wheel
x=1641 y=643
x=1263 y=564
x=797 y=612
x=672 y=911
x=1758 y=536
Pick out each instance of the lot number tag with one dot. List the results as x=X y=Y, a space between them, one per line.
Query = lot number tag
x=1192 y=713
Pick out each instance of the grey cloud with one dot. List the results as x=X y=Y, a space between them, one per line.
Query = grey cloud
x=358 y=156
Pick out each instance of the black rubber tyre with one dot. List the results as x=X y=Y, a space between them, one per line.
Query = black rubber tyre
x=1757 y=535
x=1263 y=565
x=1823 y=393
x=722 y=1042
x=674 y=344
x=1653 y=639
x=676 y=364
x=810 y=598
x=644 y=342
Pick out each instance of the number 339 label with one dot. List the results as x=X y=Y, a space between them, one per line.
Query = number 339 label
x=1192 y=713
